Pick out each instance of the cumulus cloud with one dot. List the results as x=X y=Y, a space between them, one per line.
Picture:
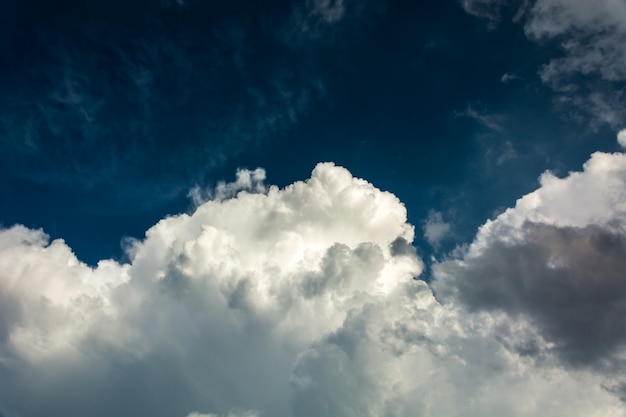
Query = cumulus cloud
x=554 y=264
x=294 y=302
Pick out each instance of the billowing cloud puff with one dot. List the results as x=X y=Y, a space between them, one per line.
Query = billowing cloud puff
x=289 y=302
x=554 y=264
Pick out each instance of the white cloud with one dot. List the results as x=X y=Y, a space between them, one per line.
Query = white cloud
x=293 y=302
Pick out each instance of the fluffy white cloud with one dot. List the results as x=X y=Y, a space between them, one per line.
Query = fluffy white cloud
x=293 y=302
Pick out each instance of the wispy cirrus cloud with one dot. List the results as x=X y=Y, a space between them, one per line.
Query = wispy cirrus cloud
x=489 y=120
x=92 y=108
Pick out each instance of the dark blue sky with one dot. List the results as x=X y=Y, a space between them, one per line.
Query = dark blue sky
x=111 y=111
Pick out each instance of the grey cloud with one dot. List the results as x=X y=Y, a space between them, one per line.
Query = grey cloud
x=435 y=229
x=400 y=247
x=509 y=77
x=568 y=281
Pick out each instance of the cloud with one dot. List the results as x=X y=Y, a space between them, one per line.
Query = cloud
x=566 y=281
x=509 y=77
x=490 y=121
x=592 y=40
x=486 y=9
x=247 y=180
x=593 y=37
x=435 y=229
x=229 y=294
x=621 y=138
x=554 y=264
x=330 y=23
x=313 y=19
x=87 y=110
x=294 y=302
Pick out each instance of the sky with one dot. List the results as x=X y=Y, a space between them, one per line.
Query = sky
x=313 y=208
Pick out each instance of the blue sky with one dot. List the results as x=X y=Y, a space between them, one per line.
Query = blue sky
x=470 y=174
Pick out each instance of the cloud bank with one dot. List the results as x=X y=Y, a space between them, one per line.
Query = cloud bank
x=302 y=302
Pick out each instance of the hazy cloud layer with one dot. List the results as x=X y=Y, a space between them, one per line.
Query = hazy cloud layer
x=294 y=302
